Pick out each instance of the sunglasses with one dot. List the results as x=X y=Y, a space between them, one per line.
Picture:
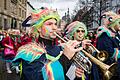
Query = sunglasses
x=83 y=31
x=109 y=18
x=99 y=29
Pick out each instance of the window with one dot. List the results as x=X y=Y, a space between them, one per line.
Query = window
x=19 y=12
x=20 y=27
x=0 y=22
x=22 y=1
x=22 y=13
x=13 y=23
x=5 y=4
x=25 y=3
x=25 y=15
x=5 y=24
x=14 y=1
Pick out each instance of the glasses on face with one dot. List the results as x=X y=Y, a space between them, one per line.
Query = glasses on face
x=107 y=17
x=99 y=30
x=83 y=31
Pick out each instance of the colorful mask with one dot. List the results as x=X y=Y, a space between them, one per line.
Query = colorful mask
x=113 y=18
x=114 y=23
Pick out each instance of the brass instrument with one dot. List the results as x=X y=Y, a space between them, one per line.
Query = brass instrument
x=108 y=70
x=79 y=59
x=100 y=55
x=82 y=61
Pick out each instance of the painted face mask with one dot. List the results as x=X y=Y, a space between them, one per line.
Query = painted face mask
x=112 y=18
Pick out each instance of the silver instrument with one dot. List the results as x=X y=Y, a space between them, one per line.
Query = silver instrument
x=79 y=59
x=108 y=70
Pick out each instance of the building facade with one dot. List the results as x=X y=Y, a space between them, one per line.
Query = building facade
x=12 y=13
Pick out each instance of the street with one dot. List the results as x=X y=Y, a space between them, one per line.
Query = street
x=4 y=75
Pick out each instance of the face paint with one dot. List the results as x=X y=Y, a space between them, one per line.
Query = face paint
x=46 y=31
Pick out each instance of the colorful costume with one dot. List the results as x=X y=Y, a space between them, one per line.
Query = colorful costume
x=42 y=60
x=106 y=38
x=35 y=57
x=9 y=53
x=70 y=31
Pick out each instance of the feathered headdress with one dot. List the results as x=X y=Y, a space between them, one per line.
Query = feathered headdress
x=41 y=15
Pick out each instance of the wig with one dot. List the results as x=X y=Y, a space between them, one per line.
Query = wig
x=71 y=28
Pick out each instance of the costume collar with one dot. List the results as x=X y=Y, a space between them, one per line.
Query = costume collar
x=46 y=41
x=112 y=30
x=103 y=29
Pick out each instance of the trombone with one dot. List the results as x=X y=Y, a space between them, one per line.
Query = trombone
x=108 y=70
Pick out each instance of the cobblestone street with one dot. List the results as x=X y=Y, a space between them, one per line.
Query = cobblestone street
x=4 y=75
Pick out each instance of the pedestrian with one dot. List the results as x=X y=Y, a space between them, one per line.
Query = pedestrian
x=9 y=52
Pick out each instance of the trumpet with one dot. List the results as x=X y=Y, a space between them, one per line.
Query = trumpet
x=108 y=70
x=79 y=59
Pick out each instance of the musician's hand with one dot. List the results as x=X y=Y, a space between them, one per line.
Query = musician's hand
x=86 y=42
x=69 y=48
x=79 y=72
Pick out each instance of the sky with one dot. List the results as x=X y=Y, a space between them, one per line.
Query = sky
x=61 y=5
